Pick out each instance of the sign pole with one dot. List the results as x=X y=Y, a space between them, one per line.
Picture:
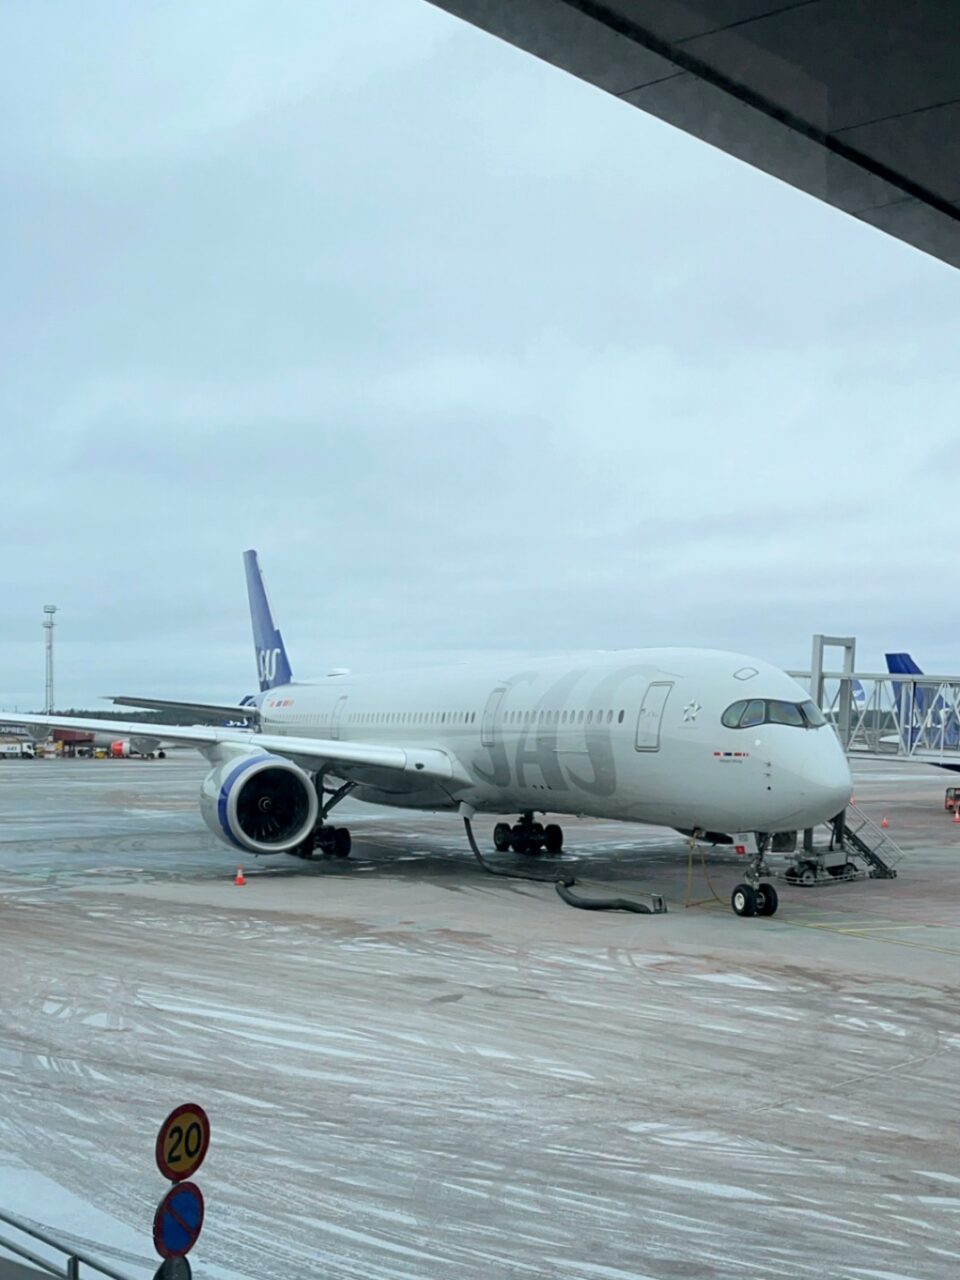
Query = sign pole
x=181 y=1148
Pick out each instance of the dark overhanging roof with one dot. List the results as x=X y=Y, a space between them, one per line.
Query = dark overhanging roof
x=855 y=101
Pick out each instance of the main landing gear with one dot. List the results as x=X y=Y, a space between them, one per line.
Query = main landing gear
x=527 y=836
x=331 y=842
x=756 y=897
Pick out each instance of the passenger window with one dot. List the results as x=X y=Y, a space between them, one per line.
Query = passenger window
x=785 y=713
x=620 y=716
x=589 y=717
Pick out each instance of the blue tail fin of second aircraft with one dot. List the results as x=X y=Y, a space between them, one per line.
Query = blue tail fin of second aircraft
x=901 y=664
x=273 y=667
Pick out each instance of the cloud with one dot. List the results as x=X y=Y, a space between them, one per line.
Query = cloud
x=477 y=356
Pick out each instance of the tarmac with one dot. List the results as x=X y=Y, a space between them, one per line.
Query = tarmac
x=416 y=1070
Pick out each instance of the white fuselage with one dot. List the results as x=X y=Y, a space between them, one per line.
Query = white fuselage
x=634 y=735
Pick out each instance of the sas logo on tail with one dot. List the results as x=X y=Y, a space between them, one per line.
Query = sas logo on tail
x=267 y=664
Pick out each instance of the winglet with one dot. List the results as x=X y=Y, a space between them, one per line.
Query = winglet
x=273 y=667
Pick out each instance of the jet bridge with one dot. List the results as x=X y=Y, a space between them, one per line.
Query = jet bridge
x=887 y=716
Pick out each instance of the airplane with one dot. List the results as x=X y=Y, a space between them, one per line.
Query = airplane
x=120 y=747
x=704 y=741
x=923 y=707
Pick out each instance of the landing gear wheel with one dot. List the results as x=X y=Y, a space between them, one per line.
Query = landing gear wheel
x=553 y=838
x=324 y=837
x=767 y=900
x=342 y=843
x=520 y=839
x=304 y=849
x=744 y=900
x=502 y=836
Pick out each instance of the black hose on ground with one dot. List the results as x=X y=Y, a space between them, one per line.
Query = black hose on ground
x=563 y=885
x=600 y=904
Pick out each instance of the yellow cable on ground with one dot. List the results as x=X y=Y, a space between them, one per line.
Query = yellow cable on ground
x=700 y=902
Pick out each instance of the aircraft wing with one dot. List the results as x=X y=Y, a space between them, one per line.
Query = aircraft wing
x=427 y=763
x=216 y=711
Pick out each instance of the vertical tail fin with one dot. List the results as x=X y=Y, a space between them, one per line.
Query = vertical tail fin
x=901 y=664
x=273 y=667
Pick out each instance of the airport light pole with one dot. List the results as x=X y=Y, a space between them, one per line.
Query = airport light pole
x=49 y=610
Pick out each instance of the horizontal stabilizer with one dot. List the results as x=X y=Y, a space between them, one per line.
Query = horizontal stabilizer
x=198 y=712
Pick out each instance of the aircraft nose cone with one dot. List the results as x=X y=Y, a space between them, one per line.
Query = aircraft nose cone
x=828 y=781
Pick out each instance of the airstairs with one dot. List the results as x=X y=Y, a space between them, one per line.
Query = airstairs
x=870 y=844
x=858 y=849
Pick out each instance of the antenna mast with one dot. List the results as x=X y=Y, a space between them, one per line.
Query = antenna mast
x=48 y=624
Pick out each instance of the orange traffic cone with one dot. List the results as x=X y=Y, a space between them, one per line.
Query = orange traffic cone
x=239 y=878
x=885 y=824
x=853 y=799
x=956 y=816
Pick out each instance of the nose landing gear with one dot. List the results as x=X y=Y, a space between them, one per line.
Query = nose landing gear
x=756 y=897
x=527 y=836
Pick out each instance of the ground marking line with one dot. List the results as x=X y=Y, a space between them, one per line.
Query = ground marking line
x=892 y=942
x=860 y=928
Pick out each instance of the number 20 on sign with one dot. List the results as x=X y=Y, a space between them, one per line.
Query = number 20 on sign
x=182 y=1142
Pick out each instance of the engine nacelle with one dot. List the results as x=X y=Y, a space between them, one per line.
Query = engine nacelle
x=120 y=750
x=260 y=803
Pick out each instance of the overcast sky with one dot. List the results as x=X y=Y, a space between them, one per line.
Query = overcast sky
x=474 y=354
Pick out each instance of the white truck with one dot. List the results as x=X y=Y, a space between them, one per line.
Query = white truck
x=15 y=749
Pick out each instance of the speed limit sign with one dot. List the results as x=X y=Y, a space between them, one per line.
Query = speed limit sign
x=182 y=1142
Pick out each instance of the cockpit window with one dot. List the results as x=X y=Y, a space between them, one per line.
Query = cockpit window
x=814 y=716
x=731 y=717
x=754 y=713
x=747 y=715
x=785 y=713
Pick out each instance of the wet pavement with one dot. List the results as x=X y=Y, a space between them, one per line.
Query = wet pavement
x=414 y=1069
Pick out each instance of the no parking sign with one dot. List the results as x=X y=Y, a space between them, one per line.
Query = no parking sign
x=178 y=1221
x=180 y=1150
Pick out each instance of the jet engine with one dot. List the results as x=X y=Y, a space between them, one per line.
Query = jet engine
x=259 y=802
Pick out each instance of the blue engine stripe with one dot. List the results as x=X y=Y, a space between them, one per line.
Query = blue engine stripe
x=224 y=796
